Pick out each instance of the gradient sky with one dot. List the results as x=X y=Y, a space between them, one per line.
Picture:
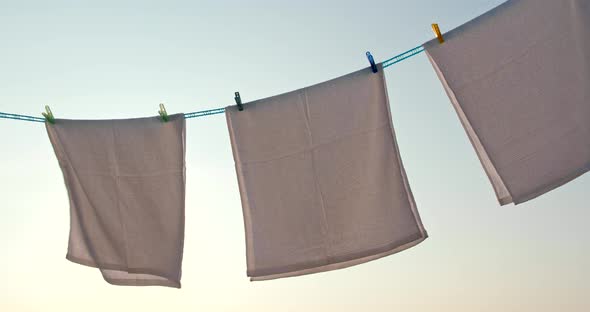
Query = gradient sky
x=120 y=59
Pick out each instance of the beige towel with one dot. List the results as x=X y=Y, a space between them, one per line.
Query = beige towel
x=126 y=184
x=519 y=79
x=321 y=179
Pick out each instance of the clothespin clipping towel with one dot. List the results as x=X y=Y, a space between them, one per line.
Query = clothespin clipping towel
x=437 y=33
x=48 y=115
x=372 y=61
x=163 y=113
x=239 y=101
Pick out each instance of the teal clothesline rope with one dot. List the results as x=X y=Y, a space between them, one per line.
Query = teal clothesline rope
x=21 y=117
x=394 y=60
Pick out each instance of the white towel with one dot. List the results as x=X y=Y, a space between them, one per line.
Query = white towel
x=321 y=179
x=126 y=184
x=519 y=79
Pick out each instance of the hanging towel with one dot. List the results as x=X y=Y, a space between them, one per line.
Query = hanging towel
x=321 y=179
x=126 y=185
x=519 y=79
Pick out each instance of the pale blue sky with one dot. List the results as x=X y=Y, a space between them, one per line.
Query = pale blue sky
x=116 y=59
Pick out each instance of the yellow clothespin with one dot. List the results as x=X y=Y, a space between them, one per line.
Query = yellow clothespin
x=48 y=115
x=163 y=113
x=437 y=33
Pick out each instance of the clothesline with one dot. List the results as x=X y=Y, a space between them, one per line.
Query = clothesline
x=391 y=61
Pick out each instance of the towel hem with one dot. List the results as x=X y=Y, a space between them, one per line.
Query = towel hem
x=331 y=265
x=126 y=282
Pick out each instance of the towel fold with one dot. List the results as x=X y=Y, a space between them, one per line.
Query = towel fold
x=126 y=185
x=519 y=79
x=321 y=179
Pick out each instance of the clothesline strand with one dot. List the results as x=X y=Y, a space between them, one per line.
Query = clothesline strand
x=21 y=117
x=394 y=60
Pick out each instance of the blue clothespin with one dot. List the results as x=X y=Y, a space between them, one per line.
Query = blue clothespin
x=163 y=113
x=372 y=61
x=238 y=101
x=48 y=115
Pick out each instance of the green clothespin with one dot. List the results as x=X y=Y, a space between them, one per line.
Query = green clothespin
x=163 y=113
x=48 y=115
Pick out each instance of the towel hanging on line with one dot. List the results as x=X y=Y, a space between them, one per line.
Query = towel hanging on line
x=126 y=184
x=322 y=191
x=518 y=77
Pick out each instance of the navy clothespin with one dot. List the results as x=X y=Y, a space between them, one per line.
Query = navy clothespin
x=48 y=115
x=372 y=61
x=239 y=101
x=163 y=113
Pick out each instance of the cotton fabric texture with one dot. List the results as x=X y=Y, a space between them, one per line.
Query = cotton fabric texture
x=519 y=79
x=126 y=185
x=321 y=179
